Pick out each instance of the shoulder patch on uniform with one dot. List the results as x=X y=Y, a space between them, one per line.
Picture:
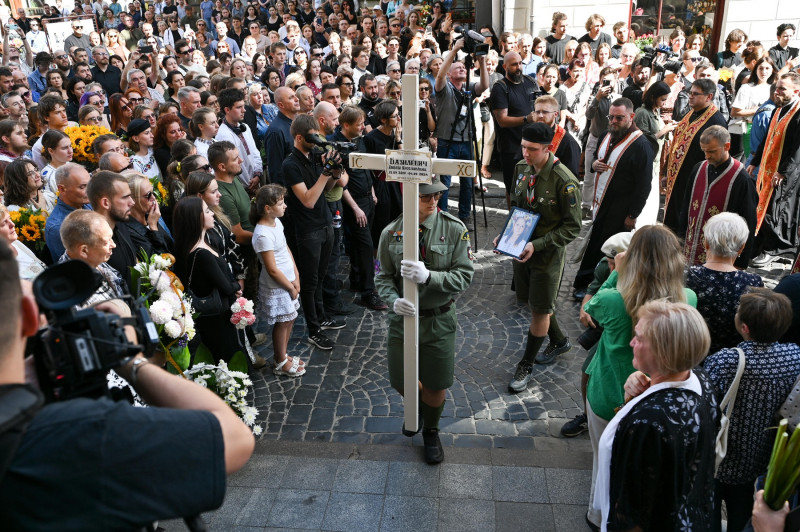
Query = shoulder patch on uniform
x=568 y=189
x=451 y=217
x=465 y=235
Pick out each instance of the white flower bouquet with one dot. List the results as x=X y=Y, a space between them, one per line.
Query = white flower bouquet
x=232 y=386
x=170 y=309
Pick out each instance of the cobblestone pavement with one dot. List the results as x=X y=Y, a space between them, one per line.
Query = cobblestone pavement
x=345 y=395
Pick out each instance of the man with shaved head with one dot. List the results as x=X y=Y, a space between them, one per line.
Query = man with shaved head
x=278 y=142
x=327 y=116
x=511 y=104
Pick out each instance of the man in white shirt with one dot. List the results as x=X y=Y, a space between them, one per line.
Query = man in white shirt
x=37 y=40
x=234 y=130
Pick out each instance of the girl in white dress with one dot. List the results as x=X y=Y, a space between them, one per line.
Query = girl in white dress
x=279 y=284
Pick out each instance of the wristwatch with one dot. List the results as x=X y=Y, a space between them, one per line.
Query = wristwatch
x=135 y=366
x=525 y=119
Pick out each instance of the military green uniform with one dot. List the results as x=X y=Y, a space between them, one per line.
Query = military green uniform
x=554 y=194
x=447 y=255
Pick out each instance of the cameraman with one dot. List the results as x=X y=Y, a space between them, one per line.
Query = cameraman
x=452 y=131
x=93 y=464
x=312 y=220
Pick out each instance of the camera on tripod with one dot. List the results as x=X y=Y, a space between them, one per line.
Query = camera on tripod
x=332 y=148
x=76 y=350
x=474 y=42
x=649 y=61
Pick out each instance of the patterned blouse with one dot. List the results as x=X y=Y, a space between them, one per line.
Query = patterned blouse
x=770 y=372
x=662 y=462
x=718 y=296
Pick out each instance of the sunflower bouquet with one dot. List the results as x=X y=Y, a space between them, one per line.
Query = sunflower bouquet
x=160 y=193
x=82 y=138
x=30 y=227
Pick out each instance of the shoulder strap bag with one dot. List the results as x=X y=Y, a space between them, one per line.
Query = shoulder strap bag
x=210 y=305
x=726 y=410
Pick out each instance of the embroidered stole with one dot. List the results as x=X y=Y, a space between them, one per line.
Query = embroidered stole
x=684 y=135
x=771 y=159
x=602 y=180
x=557 y=138
x=707 y=200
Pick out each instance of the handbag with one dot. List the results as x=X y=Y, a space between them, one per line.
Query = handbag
x=210 y=305
x=726 y=410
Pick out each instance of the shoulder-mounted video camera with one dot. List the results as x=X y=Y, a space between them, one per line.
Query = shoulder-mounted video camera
x=323 y=145
x=474 y=42
x=76 y=350
x=650 y=55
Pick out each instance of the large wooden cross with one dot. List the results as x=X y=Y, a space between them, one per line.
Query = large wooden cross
x=405 y=166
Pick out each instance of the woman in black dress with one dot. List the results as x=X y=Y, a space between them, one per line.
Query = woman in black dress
x=385 y=136
x=203 y=270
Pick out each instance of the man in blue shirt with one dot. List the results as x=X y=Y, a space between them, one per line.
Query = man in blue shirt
x=71 y=180
x=37 y=81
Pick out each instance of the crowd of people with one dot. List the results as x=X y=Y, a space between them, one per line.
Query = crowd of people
x=212 y=119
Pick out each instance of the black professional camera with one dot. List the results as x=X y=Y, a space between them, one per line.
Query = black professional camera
x=649 y=59
x=76 y=350
x=329 y=146
x=474 y=42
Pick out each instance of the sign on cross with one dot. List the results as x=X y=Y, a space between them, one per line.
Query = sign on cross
x=411 y=167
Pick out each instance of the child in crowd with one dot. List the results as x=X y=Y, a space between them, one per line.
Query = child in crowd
x=279 y=285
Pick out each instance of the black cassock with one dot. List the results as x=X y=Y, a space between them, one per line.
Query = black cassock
x=778 y=233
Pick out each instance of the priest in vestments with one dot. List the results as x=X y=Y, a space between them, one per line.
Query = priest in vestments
x=624 y=171
x=778 y=183
x=720 y=184
x=685 y=152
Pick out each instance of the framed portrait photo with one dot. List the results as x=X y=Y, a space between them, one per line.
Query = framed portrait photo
x=517 y=232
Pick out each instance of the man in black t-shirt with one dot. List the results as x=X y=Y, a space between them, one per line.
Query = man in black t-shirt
x=595 y=34
x=512 y=105
x=559 y=39
x=311 y=219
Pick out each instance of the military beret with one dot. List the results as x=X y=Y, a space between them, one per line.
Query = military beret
x=538 y=133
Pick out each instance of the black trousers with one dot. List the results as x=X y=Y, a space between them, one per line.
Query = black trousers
x=313 y=252
x=362 y=270
x=330 y=286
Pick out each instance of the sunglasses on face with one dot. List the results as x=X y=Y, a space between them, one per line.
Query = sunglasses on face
x=150 y=194
x=428 y=197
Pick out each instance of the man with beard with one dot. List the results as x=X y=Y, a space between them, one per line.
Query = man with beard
x=454 y=101
x=621 y=33
x=511 y=105
x=686 y=152
x=15 y=105
x=129 y=34
x=624 y=170
x=778 y=183
x=110 y=195
x=368 y=86
x=563 y=146
x=13 y=140
x=720 y=184
x=639 y=78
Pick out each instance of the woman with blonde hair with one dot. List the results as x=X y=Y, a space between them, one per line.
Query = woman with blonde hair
x=652 y=268
x=661 y=442
x=147 y=230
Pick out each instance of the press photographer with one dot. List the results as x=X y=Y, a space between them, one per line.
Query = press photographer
x=94 y=464
x=455 y=128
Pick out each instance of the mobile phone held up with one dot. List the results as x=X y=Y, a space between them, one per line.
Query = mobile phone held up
x=146 y=49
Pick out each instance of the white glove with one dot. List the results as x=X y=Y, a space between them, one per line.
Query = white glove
x=404 y=307
x=414 y=270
